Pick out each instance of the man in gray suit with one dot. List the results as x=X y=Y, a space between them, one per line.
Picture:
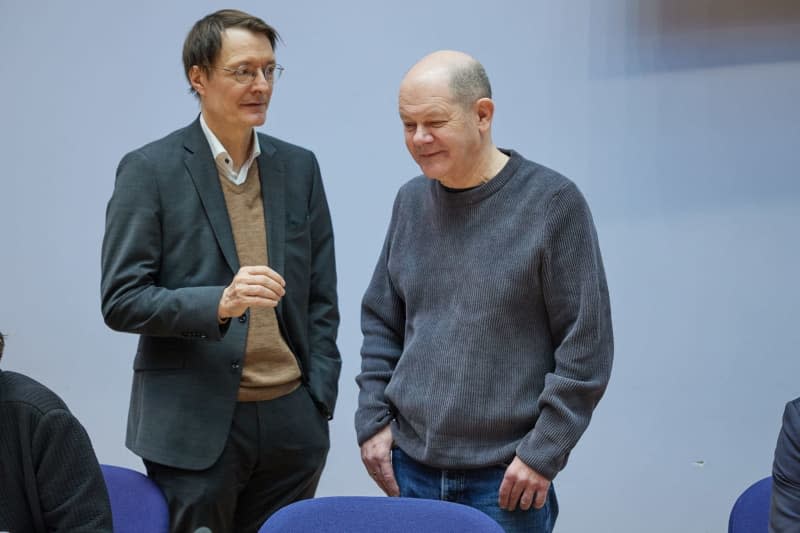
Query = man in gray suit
x=218 y=252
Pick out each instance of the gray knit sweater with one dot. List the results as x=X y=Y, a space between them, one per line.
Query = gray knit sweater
x=487 y=326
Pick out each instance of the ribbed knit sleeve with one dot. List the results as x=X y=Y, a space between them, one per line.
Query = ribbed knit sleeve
x=577 y=303
x=72 y=490
x=382 y=324
x=50 y=479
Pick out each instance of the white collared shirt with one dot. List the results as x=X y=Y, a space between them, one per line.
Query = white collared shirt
x=223 y=158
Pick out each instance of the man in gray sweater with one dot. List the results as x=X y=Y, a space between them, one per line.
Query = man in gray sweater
x=487 y=326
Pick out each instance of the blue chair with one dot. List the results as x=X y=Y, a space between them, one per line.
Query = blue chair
x=750 y=513
x=137 y=504
x=370 y=514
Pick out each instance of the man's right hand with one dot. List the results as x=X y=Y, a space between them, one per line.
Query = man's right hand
x=253 y=286
x=376 y=454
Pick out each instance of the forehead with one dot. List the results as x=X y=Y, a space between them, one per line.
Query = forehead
x=242 y=45
x=426 y=97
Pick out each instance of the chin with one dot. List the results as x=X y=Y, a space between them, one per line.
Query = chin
x=254 y=118
x=257 y=120
x=432 y=172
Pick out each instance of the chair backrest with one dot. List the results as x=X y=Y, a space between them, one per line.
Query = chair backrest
x=137 y=504
x=368 y=514
x=750 y=513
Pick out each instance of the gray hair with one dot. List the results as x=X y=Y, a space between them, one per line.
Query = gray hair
x=469 y=83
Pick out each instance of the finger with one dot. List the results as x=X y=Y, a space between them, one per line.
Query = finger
x=541 y=497
x=245 y=281
x=513 y=499
x=505 y=493
x=388 y=481
x=262 y=302
x=527 y=498
x=261 y=270
x=276 y=286
x=265 y=293
x=374 y=471
x=263 y=279
x=245 y=302
x=275 y=277
x=254 y=270
x=258 y=292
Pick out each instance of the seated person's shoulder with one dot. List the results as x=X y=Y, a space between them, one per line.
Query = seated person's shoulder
x=791 y=419
x=18 y=391
x=793 y=405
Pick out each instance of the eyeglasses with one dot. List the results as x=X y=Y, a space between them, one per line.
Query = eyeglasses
x=246 y=75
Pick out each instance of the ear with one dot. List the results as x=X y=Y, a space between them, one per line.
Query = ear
x=199 y=79
x=484 y=109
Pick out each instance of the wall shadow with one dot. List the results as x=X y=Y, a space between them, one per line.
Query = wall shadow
x=664 y=35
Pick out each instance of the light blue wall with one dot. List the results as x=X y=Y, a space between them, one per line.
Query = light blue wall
x=678 y=119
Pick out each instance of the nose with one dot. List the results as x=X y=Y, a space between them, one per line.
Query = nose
x=422 y=135
x=261 y=83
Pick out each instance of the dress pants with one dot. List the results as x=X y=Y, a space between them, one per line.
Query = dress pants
x=274 y=456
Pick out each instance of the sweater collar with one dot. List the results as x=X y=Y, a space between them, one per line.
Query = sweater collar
x=477 y=194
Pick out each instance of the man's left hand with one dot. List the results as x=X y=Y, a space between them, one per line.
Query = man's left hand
x=524 y=486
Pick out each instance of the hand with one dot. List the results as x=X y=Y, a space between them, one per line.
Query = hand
x=376 y=454
x=524 y=485
x=253 y=286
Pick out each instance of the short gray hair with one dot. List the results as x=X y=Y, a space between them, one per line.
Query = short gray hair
x=469 y=83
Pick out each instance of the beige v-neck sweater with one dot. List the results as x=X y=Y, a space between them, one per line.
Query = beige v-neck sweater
x=270 y=368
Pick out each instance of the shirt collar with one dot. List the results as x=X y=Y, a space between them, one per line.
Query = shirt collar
x=223 y=158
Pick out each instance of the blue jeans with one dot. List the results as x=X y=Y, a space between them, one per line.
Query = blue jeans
x=477 y=488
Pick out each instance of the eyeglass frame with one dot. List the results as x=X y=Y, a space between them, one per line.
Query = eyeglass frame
x=270 y=77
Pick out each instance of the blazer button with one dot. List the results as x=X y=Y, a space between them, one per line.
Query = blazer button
x=235 y=365
x=243 y=318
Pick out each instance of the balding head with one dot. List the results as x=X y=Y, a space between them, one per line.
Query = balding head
x=447 y=117
x=463 y=74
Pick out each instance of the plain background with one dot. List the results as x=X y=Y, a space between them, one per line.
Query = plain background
x=678 y=119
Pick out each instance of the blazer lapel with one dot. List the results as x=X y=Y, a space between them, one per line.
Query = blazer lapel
x=273 y=192
x=203 y=170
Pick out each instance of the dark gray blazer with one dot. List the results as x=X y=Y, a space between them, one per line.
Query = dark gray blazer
x=784 y=514
x=168 y=253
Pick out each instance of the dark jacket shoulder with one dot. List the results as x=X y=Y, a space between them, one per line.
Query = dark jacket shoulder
x=20 y=389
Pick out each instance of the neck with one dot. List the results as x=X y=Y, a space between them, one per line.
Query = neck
x=237 y=143
x=487 y=168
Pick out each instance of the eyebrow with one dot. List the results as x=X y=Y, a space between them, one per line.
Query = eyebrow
x=250 y=60
x=430 y=116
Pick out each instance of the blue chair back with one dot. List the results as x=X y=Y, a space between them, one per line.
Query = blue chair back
x=137 y=504
x=750 y=513
x=368 y=514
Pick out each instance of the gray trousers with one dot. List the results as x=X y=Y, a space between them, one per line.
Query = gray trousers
x=274 y=456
